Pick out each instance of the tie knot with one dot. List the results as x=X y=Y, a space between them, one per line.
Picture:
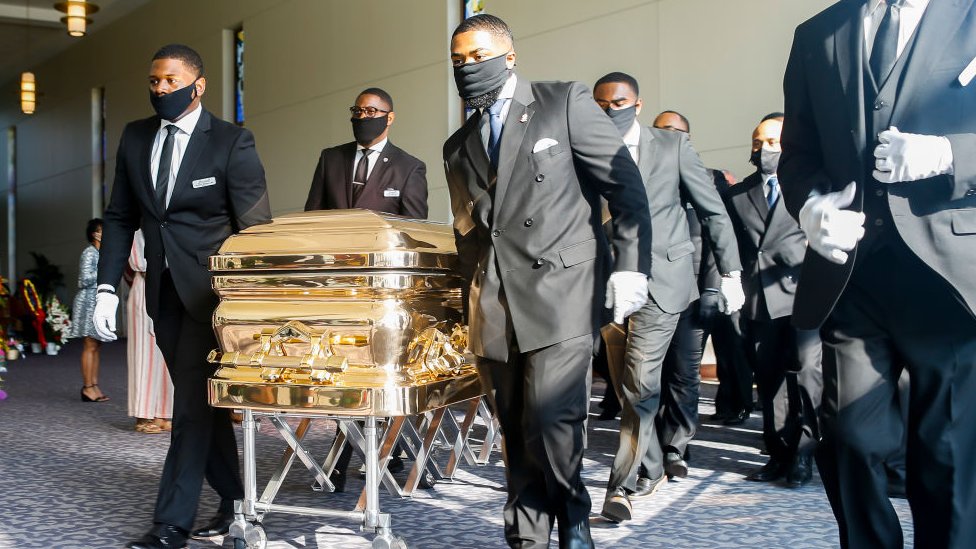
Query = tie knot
x=367 y=152
x=172 y=129
x=772 y=181
x=496 y=108
x=893 y=3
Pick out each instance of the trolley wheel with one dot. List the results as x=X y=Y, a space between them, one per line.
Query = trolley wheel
x=389 y=542
x=427 y=480
x=254 y=538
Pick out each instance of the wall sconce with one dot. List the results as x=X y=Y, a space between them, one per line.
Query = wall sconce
x=28 y=93
x=77 y=12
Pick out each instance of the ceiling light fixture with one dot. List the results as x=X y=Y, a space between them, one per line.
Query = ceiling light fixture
x=77 y=12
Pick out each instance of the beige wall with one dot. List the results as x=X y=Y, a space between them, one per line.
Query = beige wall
x=720 y=62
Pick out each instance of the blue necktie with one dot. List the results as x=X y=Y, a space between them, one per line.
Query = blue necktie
x=495 y=137
x=773 y=191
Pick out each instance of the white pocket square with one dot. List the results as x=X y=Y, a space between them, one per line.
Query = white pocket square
x=543 y=144
x=205 y=182
x=967 y=74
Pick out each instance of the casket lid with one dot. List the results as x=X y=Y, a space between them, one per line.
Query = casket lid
x=338 y=239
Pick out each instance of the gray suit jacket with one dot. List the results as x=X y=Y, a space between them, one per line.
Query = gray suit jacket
x=825 y=145
x=671 y=169
x=771 y=246
x=535 y=225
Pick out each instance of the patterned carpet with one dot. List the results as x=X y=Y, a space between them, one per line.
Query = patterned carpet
x=75 y=475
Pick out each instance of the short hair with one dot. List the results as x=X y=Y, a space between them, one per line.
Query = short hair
x=92 y=227
x=487 y=23
x=186 y=54
x=378 y=92
x=680 y=116
x=621 y=78
x=773 y=116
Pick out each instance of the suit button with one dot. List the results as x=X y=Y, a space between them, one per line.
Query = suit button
x=496 y=233
x=528 y=222
x=162 y=225
x=879 y=192
x=540 y=177
x=760 y=252
x=878 y=222
x=470 y=203
x=880 y=105
x=540 y=262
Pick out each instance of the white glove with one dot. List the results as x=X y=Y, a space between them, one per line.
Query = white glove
x=626 y=293
x=910 y=157
x=832 y=231
x=106 y=304
x=731 y=290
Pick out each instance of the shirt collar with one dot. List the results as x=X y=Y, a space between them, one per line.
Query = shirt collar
x=875 y=4
x=378 y=147
x=508 y=90
x=632 y=137
x=187 y=123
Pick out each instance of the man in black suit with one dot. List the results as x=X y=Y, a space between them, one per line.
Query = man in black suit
x=786 y=359
x=878 y=167
x=669 y=167
x=188 y=180
x=370 y=172
x=526 y=175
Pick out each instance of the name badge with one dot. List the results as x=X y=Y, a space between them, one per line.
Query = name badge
x=391 y=193
x=206 y=182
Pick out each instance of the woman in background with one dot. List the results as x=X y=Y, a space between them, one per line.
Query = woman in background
x=150 y=388
x=84 y=305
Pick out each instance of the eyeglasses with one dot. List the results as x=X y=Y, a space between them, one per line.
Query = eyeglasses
x=369 y=112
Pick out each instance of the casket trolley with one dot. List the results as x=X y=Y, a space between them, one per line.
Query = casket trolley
x=350 y=315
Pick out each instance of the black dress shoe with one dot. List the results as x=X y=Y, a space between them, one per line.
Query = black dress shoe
x=576 y=536
x=219 y=525
x=338 y=480
x=800 y=473
x=737 y=419
x=674 y=466
x=647 y=486
x=720 y=416
x=617 y=507
x=162 y=536
x=772 y=471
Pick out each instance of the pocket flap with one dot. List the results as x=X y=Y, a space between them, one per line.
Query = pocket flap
x=578 y=253
x=964 y=221
x=680 y=250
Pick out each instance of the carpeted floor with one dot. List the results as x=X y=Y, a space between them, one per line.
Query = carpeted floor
x=76 y=475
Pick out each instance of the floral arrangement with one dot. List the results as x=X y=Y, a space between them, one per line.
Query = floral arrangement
x=58 y=320
x=36 y=310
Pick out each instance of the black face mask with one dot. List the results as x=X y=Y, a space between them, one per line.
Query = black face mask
x=476 y=82
x=366 y=130
x=766 y=160
x=173 y=104
x=623 y=118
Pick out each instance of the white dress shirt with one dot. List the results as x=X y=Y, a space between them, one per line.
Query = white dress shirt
x=507 y=93
x=632 y=140
x=181 y=138
x=371 y=160
x=911 y=12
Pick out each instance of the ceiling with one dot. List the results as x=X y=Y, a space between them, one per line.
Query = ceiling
x=47 y=35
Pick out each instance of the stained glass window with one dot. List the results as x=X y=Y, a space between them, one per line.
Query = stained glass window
x=239 y=77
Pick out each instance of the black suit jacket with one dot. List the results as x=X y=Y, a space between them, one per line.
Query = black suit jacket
x=825 y=145
x=201 y=213
x=537 y=221
x=706 y=269
x=397 y=184
x=671 y=169
x=771 y=246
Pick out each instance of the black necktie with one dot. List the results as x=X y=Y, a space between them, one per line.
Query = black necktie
x=362 y=173
x=165 y=163
x=884 y=52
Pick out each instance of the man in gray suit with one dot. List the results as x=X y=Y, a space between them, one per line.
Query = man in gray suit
x=786 y=359
x=526 y=175
x=670 y=168
x=878 y=167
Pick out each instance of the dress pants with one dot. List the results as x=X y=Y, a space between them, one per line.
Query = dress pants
x=733 y=366
x=790 y=383
x=681 y=376
x=541 y=398
x=650 y=331
x=897 y=313
x=203 y=442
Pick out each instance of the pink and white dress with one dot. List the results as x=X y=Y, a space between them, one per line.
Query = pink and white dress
x=150 y=387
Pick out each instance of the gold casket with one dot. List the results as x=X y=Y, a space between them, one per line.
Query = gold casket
x=348 y=313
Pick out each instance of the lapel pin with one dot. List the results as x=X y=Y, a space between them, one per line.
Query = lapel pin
x=525 y=118
x=385 y=159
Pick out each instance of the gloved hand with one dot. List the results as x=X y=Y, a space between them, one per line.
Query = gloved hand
x=106 y=305
x=626 y=293
x=731 y=290
x=832 y=231
x=910 y=157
